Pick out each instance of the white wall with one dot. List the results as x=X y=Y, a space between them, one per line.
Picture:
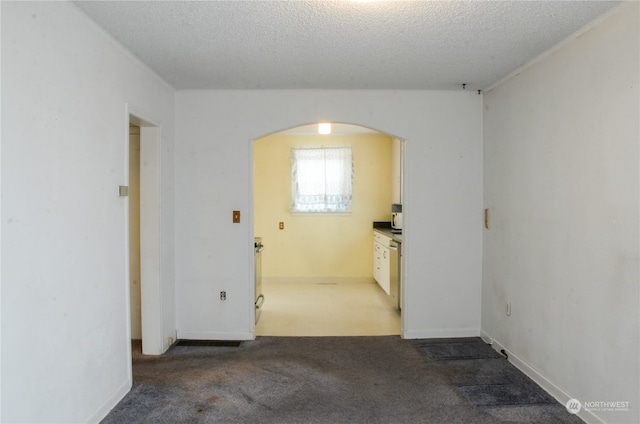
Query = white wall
x=443 y=200
x=64 y=261
x=562 y=181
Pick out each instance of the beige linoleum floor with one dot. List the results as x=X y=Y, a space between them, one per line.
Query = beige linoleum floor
x=327 y=308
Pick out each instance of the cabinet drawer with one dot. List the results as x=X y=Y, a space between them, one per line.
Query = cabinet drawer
x=382 y=239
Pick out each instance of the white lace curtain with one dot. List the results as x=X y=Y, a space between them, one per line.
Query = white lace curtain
x=321 y=179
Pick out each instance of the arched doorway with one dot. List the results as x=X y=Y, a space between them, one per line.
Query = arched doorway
x=317 y=268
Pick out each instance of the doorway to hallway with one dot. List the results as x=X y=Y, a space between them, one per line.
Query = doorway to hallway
x=134 y=234
x=145 y=293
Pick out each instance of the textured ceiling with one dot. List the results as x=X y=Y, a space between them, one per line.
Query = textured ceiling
x=340 y=44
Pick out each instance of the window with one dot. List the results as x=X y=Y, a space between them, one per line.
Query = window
x=321 y=179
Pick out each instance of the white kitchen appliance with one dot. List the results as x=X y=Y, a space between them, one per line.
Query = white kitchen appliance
x=396 y=216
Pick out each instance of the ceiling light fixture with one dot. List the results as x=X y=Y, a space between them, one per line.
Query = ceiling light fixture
x=324 y=128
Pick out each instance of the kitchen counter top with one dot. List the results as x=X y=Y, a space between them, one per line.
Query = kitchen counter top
x=385 y=228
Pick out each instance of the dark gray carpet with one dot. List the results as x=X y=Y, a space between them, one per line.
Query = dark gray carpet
x=457 y=349
x=326 y=380
x=516 y=393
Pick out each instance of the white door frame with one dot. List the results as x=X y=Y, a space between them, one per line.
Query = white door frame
x=150 y=240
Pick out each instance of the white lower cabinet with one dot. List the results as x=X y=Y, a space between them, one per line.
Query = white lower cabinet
x=381 y=261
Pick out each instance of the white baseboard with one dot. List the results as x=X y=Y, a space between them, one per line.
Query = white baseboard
x=106 y=407
x=214 y=335
x=559 y=394
x=444 y=333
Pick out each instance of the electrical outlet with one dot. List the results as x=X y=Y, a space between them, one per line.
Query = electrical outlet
x=223 y=295
x=170 y=341
x=508 y=310
x=281 y=225
x=236 y=217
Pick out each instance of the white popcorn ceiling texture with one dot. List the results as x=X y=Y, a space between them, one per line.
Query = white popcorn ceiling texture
x=340 y=44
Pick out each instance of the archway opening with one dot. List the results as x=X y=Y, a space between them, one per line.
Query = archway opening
x=317 y=269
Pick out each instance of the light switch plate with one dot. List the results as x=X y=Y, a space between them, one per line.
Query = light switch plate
x=236 y=217
x=123 y=191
